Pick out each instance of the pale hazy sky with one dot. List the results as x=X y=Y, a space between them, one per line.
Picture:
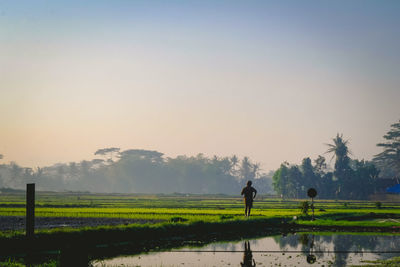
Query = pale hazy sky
x=273 y=80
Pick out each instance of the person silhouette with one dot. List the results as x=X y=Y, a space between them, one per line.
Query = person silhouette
x=249 y=194
x=248 y=260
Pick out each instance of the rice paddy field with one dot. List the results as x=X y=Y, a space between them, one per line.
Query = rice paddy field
x=100 y=221
x=180 y=208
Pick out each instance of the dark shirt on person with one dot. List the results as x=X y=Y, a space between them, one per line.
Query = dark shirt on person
x=248 y=192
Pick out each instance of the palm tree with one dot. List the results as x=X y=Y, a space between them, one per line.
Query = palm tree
x=339 y=147
x=340 y=150
x=255 y=169
x=245 y=169
x=234 y=161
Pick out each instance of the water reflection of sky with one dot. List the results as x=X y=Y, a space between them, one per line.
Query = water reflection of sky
x=290 y=250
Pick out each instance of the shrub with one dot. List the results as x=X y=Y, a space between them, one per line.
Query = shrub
x=304 y=207
x=378 y=205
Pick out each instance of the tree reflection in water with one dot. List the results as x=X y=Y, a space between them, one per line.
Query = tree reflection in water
x=354 y=243
x=342 y=244
x=331 y=248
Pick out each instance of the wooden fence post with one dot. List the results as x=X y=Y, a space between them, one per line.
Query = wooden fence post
x=30 y=210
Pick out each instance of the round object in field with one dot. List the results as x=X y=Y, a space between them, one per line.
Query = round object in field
x=312 y=192
x=311 y=259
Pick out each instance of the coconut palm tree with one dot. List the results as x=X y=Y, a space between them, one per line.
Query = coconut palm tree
x=342 y=172
x=339 y=147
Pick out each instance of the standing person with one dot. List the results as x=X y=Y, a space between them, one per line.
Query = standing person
x=247 y=192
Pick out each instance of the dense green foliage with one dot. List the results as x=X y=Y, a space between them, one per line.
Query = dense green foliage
x=141 y=171
x=350 y=179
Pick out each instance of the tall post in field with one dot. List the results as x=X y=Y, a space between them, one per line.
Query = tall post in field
x=312 y=208
x=312 y=193
x=30 y=210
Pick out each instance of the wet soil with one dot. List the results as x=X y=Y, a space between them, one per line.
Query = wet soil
x=8 y=223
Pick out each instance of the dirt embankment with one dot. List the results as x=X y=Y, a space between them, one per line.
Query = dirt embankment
x=8 y=223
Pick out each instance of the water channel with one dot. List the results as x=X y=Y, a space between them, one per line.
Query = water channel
x=301 y=249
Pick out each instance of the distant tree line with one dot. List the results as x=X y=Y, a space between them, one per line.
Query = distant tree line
x=144 y=171
x=141 y=171
x=358 y=181
x=349 y=179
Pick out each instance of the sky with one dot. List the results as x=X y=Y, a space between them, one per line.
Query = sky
x=272 y=80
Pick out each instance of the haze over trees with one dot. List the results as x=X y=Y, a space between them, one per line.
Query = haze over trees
x=141 y=171
x=145 y=171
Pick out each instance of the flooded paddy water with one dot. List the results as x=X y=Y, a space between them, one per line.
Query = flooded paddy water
x=301 y=249
x=294 y=249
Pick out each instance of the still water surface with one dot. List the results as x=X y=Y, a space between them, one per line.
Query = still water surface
x=291 y=250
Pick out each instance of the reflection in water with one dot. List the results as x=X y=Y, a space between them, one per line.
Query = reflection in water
x=342 y=245
x=311 y=258
x=291 y=250
x=248 y=260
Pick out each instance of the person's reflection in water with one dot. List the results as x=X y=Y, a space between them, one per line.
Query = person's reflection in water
x=248 y=260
